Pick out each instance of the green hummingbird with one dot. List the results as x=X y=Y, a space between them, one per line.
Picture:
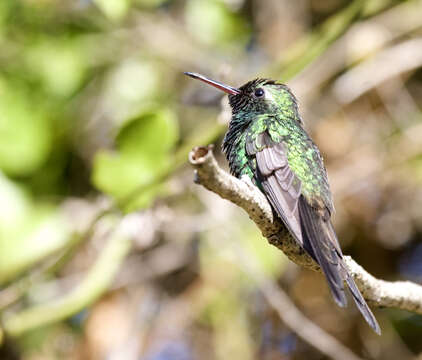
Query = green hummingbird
x=267 y=142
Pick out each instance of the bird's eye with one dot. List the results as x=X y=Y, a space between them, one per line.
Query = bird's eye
x=259 y=92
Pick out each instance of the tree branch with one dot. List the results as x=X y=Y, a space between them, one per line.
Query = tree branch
x=401 y=294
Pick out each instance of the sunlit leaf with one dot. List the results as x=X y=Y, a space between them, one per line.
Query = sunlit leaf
x=14 y=207
x=28 y=232
x=60 y=65
x=132 y=86
x=143 y=152
x=113 y=9
x=211 y=22
x=153 y=133
x=151 y=3
x=25 y=132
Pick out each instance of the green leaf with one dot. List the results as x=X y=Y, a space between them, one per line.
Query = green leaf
x=25 y=132
x=114 y=9
x=154 y=132
x=28 y=233
x=212 y=23
x=120 y=175
x=133 y=85
x=151 y=3
x=14 y=207
x=60 y=65
x=143 y=151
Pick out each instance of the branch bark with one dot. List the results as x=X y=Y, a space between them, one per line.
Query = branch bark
x=400 y=294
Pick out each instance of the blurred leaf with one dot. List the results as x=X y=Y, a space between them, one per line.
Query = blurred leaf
x=272 y=261
x=151 y=3
x=5 y=8
x=97 y=280
x=136 y=79
x=59 y=64
x=28 y=233
x=211 y=22
x=14 y=205
x=375 y=6
x=25 y=131
x=119 y=176
x=114 y=9
x=143 y=152
x=152 y=133
x=133 y=85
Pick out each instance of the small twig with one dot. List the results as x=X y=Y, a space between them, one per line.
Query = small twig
x=301 y=325
x=94 y=285
x=404 y=295
x=307 y=49
x=401 y=294
x=387 y=64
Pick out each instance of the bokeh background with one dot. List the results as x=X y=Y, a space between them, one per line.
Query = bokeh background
x=108 y=250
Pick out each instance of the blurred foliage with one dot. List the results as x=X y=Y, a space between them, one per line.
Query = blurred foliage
x=28 y=231
x=220 y=27
x=140 y=158
x=109 y=251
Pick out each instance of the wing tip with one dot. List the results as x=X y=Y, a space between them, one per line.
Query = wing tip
x=376 y=328
x=370 y=318
x=372 y=321
x=362 y=305
x=341 y=301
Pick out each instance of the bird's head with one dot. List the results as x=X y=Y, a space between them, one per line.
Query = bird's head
x=259 y=96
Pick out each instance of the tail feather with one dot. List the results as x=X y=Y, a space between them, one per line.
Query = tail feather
x=320 y=240
x=319 y=247
x=361 y=304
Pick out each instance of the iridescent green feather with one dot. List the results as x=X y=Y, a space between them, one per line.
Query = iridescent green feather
x=285 y=126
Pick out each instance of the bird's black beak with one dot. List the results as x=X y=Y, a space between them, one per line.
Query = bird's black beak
x=226 y=88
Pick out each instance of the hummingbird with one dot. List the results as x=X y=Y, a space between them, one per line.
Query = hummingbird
x=266 y=141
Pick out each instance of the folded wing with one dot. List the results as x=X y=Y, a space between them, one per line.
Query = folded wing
x=309 y=224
